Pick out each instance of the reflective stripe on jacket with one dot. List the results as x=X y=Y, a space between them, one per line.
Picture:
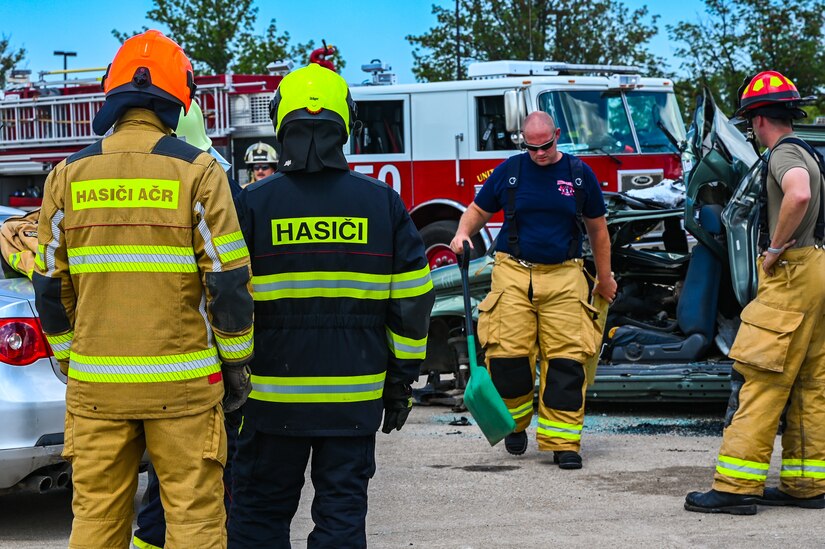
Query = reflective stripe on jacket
x=342 y=295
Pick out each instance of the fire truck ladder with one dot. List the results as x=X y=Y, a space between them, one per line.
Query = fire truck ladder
x=66 y=120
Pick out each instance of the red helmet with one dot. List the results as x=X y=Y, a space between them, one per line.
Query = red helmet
x=153 y=64
x=770 y=89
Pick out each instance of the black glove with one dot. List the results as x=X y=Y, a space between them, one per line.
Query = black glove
x=397 y=405
x=237 y=384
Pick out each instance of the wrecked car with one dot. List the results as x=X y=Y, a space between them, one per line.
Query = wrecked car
x=685 y=268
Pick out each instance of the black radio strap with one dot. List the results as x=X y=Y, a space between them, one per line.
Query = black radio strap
x=512 y=175
x=577 y=172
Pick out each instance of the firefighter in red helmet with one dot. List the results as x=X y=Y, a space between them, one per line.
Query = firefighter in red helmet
x=142 y=282
x=779 y=350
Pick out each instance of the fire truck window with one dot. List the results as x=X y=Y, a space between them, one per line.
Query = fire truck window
x=591 y=122
x=650 y=111
x=383 y=128
x=492 y=133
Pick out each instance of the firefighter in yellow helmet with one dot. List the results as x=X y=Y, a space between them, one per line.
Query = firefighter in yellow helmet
x=342 y=303
x=142 y=285
x=779 y=350
x=261 y=160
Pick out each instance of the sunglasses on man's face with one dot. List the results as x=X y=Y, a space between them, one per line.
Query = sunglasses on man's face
x=261 y=167
x=542 y=147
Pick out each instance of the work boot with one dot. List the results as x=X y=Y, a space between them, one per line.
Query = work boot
x=567 y=459
x=714 y=501
x=516 y=443
x=775 y=496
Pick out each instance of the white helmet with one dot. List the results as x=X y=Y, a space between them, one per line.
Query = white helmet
x=260 y=153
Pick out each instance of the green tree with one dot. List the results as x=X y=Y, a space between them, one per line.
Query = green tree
x=255 y=52
x=210 y=31
x=9 y=57
x=572 y=31
x=738 y=38
x=218 y=35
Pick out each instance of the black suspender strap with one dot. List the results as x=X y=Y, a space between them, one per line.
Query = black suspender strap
x=577 y=172
x=512 y=175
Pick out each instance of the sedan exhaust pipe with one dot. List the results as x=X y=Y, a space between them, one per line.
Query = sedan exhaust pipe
x=62 y=479
x=38 y=483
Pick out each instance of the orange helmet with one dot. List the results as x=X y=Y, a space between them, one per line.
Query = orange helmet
x=153 y=64
x=770 y=89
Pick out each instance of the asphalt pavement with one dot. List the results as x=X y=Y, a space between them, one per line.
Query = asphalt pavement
x=440 y=485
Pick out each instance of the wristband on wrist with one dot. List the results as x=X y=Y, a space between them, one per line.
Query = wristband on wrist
x=775 y=250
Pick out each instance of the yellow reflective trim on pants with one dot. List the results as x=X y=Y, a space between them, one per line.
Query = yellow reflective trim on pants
x=140 y=544
x=742 y=468
x=803 y=468
x=405 y=347
x=332 y=389
x=521 y=411
x=808 y=462
x=558 y=429
x=411 y=284
x=801 y=474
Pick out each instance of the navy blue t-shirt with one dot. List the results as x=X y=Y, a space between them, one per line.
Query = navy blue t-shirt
x=545 y=207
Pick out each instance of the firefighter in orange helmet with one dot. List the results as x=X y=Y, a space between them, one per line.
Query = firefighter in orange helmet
x=779 y=350
x=142 y=282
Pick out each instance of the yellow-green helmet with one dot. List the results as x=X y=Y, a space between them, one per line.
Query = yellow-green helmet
x=191 y=128
x=312 y=93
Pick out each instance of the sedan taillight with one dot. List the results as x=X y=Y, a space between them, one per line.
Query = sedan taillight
x=22 y=341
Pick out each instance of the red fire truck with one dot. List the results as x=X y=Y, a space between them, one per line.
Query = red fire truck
x=435 y=143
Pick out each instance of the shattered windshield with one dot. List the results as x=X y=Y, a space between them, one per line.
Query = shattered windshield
x=656 y=114
x=597 y=122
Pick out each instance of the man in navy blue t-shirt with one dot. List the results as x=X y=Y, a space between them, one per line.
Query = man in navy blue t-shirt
x=538 y=304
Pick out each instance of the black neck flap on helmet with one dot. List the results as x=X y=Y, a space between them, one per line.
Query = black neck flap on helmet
x=311 y=146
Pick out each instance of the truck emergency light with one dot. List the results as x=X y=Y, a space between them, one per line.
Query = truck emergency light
x=22 y=341
x=501 y=69
x=624 y=81
x=380 y=73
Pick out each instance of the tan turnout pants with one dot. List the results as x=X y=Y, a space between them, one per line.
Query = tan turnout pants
x=188 y=453
x=780 y=353
x=540 y=312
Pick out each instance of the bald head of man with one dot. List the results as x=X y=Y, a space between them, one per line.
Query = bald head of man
x=540 y=138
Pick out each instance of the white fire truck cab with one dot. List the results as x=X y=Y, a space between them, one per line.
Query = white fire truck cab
x=434 y=143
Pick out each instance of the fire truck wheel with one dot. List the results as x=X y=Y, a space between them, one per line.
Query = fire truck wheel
x=437 y=237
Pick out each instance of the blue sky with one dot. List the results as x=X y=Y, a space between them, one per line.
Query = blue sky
x=363 y=30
